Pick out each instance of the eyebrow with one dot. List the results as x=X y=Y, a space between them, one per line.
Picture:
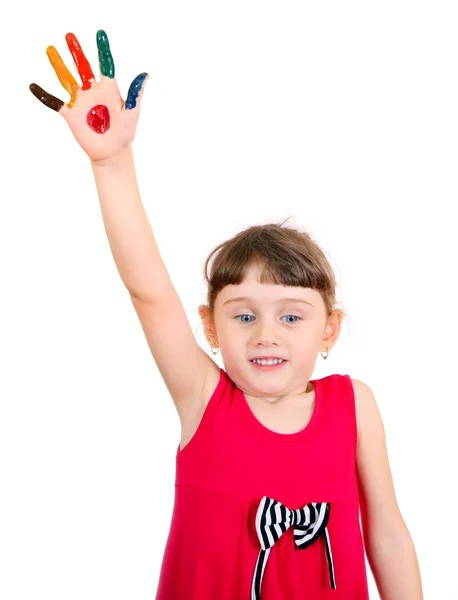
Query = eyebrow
x=247 y=298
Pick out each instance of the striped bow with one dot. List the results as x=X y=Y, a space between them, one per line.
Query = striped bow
x=273 y=519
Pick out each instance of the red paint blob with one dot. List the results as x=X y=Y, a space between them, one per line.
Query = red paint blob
x=98 y=118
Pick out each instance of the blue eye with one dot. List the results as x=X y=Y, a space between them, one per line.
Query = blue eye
x=247 y=315
x=294 y=317
x=244 y=315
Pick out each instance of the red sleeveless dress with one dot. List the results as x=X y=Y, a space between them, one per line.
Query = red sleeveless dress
x=261 y=515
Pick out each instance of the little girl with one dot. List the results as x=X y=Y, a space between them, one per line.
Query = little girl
x=273 y=467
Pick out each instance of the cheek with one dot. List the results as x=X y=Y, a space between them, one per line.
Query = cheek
x=232 y=337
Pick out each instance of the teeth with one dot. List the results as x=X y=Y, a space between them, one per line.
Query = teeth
x=269 y=361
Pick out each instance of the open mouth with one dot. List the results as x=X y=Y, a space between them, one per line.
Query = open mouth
x=268 y=367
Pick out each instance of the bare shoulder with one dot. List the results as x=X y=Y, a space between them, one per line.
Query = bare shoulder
x=379 y=508
x=365 y=404
x=192 y=411
x=213 y=374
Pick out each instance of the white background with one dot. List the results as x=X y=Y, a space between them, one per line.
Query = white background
x=340 y=114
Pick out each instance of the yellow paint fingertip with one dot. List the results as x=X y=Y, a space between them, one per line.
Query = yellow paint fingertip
x=53 y=55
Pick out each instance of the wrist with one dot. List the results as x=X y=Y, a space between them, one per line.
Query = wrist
x=114 y=161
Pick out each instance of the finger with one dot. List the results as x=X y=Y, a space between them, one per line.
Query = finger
x=134 y=91
x=47 y=99
x=81 y=62
x=107 y=67
x=65 y=77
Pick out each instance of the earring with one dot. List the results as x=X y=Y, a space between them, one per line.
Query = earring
x=327 y=354
x=216 y=352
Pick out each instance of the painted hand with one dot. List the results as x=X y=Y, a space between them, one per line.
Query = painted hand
x=102 y=123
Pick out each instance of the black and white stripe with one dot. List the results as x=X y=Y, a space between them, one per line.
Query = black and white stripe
x=273 y=519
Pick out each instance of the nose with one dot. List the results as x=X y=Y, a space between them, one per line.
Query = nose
x=265 y=335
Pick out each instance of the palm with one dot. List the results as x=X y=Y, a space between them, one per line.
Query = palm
x=101 y=122
x=121 y=122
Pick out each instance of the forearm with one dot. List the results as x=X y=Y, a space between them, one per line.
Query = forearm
x=130 y=236
x=395 y=568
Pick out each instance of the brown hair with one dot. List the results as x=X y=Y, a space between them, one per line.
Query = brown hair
x=287 y=257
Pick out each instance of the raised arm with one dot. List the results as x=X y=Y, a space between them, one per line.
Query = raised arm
x=104 y=126
x=180 y=360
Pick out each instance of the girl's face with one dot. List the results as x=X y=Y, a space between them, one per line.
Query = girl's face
x=255 y=319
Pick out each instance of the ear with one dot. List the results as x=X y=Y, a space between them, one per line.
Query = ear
x=209 y=328
x=332 y=329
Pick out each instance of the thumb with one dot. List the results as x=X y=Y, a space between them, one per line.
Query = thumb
x=136 y=90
